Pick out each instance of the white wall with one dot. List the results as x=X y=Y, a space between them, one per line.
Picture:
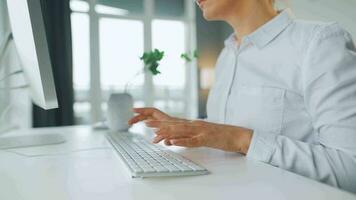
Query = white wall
x=342 y=11
x=19 y=114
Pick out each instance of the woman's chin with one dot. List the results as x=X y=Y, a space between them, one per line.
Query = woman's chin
x=208 y=16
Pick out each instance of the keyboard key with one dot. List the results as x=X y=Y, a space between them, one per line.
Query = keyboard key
x=161 y=169
x=185 y=168
x=151 y=170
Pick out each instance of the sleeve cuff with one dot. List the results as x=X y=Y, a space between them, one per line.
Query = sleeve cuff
x=262 y=146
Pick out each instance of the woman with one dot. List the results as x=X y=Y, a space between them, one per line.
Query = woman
x=285 y=94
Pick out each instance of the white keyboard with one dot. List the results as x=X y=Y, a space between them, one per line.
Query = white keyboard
x=144 y=159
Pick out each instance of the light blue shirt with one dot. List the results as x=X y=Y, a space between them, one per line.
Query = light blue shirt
x=294 y=83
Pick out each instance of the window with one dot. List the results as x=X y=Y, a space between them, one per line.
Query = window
x=119 y=52
x=120 y=7
x=81 y=70
x=109 y=36
x=170 y=85
x=121 y=45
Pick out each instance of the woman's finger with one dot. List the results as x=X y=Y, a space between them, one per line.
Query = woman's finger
x=153 y=123
x=178 y=125
x=159 y=123
x=174 y=137
x=167 y=142
x=148 y=112
x=144 y=111
x=137 y=118
x=158 y=139
x=155 y=113
x=186 y=142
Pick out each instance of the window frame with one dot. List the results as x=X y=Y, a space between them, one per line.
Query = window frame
x=191 y=85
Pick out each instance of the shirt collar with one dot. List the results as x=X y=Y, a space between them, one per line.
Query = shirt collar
x=267 y=32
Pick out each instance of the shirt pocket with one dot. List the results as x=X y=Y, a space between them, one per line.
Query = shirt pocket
x=257 y=107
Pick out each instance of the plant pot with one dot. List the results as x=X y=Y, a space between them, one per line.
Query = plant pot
x=119 y=111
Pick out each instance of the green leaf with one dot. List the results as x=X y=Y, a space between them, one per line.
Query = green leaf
x=186 y=57
x=151 y=60
x=196 y=55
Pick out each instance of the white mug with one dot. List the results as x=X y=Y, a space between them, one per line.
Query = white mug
x=119 y=111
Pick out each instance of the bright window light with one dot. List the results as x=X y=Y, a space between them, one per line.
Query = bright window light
x=80 y=37
x=79 y=6
x=121 y=45
x=102 y=9
x=169 y=36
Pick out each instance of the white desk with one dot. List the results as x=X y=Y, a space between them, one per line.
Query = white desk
x=71 y=171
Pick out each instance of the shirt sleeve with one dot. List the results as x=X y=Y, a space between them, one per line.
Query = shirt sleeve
x=329 y=78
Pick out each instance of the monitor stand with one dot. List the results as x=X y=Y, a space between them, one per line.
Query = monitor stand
x=10 y=142
x=30 y=140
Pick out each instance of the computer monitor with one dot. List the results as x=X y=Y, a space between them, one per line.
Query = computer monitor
x=29 y=35
x=28 y=30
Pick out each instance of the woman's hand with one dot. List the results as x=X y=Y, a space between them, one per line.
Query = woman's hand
x=152 y=114
x=201 y=133
x=149 y=114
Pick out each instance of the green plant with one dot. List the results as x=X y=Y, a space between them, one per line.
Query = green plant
x=151 y=60
x=188 y=57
